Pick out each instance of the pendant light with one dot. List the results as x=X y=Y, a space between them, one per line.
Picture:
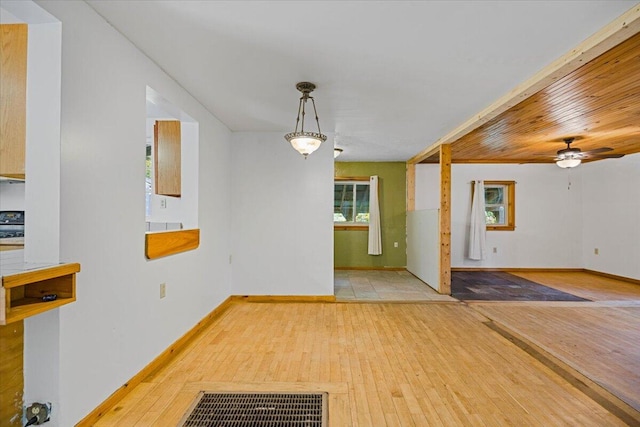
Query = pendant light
x=305 y=142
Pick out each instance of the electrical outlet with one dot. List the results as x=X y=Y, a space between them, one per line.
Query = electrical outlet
x=38 y=413
x=163 y=203
x=596 y=251
x=395 y=244
x=495 y=250
x=163 y=290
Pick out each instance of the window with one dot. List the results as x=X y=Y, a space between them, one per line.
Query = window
x=499 y=201
x=351 y=203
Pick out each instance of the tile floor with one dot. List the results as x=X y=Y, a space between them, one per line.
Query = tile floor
x=383 y=285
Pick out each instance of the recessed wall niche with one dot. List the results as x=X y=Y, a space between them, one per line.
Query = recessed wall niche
x=171 y=178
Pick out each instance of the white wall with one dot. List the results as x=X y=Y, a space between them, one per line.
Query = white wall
x=611 y=216
x=562 y=215
x=119 y=324
x=282 y=221
x=427 y=187
x=42 y=169
x=12 y=196
x=423 y=246
x=42 y=203
x=548 y=214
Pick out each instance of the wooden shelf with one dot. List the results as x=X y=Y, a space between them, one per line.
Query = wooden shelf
x=163 y=243
x=22 y=292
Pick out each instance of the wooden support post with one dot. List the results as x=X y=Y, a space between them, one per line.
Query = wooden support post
x=445 y=219
x=411 y=187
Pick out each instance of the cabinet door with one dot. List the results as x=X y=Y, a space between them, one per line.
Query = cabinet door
x=13 y=99
x=166 y=157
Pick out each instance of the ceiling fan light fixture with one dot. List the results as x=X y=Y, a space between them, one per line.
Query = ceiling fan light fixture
x=302 y=141
x=568 y=162
x=569 y=157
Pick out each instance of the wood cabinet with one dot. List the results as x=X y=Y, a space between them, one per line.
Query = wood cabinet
x=166 y=158
x=21 y=293
x=13 y=99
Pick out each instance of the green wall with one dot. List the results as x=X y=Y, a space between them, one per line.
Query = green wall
x=350 y=246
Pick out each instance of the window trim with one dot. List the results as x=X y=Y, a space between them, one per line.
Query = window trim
x=338 y=226
x=350 y=227
x=511 y=206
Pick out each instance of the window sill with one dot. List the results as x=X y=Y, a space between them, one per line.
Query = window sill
x=162 y=243
x=501 y=228
x=350 y=228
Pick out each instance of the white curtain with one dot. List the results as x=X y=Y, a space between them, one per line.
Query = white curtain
x=478 y=229
x=375 y=238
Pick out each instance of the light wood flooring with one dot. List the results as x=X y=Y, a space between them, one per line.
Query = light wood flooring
x=411 y=364
x=600 y=339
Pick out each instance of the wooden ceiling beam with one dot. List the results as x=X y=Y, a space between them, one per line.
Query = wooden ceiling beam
x=616 y=32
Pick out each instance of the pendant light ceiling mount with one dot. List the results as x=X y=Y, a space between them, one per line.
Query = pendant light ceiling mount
x=305 y=142
x=306 y=88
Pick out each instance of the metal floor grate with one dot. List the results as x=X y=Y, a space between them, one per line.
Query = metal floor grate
x=258 y=410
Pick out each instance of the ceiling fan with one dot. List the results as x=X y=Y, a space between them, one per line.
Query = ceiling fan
x=571 y=157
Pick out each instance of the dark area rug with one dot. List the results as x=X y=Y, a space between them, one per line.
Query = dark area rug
x=500 y=286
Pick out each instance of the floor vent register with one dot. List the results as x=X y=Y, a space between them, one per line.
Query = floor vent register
x=213 y=409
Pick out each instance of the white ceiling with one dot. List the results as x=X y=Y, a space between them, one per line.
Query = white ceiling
x=392 y=76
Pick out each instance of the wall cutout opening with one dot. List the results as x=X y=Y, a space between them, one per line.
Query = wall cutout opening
x=30 y=73
x=171 y=179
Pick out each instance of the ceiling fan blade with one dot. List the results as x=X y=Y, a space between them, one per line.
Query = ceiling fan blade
x=597 y=150
x=607 y=156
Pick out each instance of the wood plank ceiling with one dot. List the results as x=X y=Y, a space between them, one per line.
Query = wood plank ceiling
x=598 y=104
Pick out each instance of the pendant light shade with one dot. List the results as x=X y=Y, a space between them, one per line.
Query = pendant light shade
x=336 y=152
x=305 y=142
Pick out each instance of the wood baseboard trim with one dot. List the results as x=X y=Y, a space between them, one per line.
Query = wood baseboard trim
x=372 y=268
x=154 y=365
x=521 y=270
x=613 y=276
x=283 y=298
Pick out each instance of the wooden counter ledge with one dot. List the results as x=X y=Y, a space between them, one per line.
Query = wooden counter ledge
x=22 y=292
